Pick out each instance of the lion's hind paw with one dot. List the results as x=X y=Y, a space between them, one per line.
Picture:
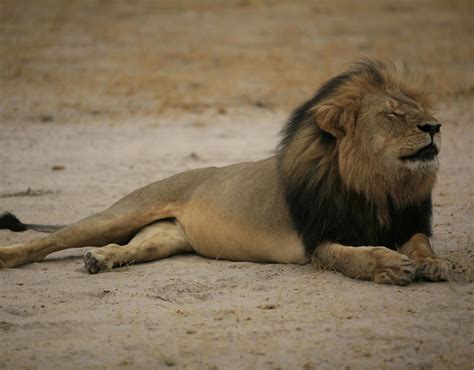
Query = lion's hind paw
x=95 y=263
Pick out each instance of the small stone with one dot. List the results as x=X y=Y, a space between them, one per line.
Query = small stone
x=169 y=362
x=268 y=306
x=46 y=118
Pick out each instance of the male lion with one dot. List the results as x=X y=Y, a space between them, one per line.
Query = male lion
x=349 y=189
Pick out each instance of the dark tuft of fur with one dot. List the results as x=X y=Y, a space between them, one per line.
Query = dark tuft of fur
x=10 y=222
x=303 y=115
x=326 y=210
x=330 y=212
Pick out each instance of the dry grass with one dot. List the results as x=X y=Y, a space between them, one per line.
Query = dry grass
x=140 y=58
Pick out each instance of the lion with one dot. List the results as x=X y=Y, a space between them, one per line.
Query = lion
x=348 y=189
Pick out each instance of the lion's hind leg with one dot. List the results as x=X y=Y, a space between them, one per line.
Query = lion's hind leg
x=378 y=264
x=156 y=241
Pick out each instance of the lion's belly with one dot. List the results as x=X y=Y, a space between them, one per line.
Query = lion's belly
x=239 y=214
x=212 y=234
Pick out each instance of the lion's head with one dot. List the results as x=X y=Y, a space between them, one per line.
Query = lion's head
x=368 y=140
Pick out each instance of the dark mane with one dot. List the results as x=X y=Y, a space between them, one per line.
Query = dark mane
x=321 y=206
x=303 y=114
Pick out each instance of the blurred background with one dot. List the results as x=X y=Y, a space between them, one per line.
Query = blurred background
x=69 y=60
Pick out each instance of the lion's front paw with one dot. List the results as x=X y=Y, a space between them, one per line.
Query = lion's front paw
x=393 y=268
x=433 y=269
x=95 y=262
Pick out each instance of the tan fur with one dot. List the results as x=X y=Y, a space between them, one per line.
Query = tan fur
x=239 y=212
x=156 y=241
x=428 y=265
x=378 y=264
x=360 y=97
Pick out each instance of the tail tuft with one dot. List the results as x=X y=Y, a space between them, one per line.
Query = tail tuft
x=10 y=222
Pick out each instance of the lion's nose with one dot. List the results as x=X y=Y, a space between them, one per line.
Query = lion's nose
x=430 y=128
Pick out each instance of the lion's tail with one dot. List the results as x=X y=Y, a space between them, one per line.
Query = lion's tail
x=9 y=221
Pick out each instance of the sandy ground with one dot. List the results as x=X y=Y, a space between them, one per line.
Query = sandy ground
x=98 y=98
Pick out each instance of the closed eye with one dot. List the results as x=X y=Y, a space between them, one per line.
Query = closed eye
x=395 y=114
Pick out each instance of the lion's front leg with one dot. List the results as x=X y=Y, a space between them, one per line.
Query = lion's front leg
x=378 y=264
x=428 y=265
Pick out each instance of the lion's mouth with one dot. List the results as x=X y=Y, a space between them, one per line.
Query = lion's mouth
x=427 y=153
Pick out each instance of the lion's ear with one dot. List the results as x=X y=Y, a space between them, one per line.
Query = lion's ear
x=334 y=119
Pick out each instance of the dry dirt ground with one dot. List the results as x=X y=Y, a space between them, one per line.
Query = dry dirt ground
x=100 y=97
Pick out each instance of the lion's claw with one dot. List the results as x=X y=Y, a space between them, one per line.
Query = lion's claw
x=394 y=268
x=433 y=269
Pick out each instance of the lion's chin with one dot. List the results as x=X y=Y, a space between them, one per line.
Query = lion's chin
x=424 y=165
x=424 y=159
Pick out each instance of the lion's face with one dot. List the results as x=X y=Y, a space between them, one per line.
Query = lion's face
x=369 y=129
x=400 y=133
